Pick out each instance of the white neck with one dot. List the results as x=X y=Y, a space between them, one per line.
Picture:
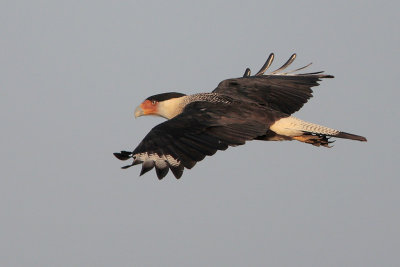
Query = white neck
x=172 y=107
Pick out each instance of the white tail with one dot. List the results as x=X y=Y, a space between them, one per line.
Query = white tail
x=292 y=126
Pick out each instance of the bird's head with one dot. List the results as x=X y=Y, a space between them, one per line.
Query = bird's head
x=166 y=105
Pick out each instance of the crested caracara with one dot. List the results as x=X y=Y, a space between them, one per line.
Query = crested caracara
x=242 y=109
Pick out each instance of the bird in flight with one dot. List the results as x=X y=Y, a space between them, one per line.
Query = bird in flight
x=257 y=107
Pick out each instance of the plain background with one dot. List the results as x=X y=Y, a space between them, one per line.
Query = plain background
x=71 y=74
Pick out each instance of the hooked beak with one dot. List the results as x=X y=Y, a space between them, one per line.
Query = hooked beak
x=139 y=111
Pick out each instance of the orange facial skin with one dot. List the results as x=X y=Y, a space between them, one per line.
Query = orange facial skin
x=149 y=107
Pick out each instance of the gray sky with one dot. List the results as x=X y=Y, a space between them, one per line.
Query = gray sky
x=72 y=73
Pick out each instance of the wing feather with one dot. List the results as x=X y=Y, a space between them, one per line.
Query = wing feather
x=191 y=136
x=286 y=92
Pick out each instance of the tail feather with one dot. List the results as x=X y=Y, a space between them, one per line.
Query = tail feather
x=308 y=132
x=351 y=136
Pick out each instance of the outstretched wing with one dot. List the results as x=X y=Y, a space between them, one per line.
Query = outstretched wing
x=199 y=131
x=283 y=91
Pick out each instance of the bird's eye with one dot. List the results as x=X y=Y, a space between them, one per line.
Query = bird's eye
x=153 y=102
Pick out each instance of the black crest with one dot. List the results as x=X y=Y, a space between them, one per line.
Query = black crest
x=165 y=96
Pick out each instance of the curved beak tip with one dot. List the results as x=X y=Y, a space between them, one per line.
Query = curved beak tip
x=138 y=112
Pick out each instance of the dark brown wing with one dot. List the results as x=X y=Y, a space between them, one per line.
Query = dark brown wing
x=201 y=130
x=283 y=91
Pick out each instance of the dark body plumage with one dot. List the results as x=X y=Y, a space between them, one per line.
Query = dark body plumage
x=238 y=110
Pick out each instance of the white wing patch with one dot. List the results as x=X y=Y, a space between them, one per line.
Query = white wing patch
x=160 y=161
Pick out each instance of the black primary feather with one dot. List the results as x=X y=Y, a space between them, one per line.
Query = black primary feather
x=285 y=92
x=192 y=135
